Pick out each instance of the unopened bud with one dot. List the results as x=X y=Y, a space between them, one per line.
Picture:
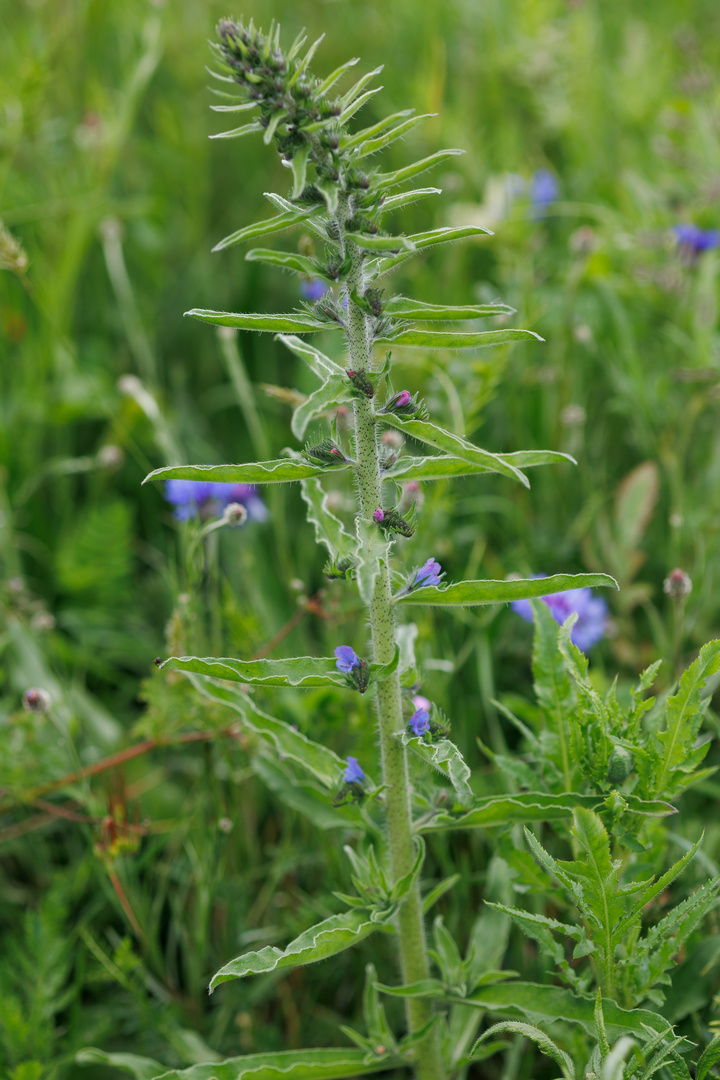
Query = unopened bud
x=361 y=382
x=677 y=584
x=379 y=515
x=36 y=700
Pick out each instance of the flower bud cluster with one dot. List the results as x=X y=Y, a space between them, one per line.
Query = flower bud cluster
x=357 y=671
x=340 y=568
x=391 y=520
x=362 y=382
x=405 y=405
x=430 y=721
x=281 y=86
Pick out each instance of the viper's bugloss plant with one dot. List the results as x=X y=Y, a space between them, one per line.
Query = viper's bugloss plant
x=590 y=762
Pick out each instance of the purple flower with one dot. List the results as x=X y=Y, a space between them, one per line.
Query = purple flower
x=419 y=722
x=403 y=398
x=192 y=496
x=592 y=614
x=347 y=659
x=312 y=289
x=693 y=240
x=428 y=574
x=421 y=702
x=544 y=189
x=353 y=774
x=379 y=515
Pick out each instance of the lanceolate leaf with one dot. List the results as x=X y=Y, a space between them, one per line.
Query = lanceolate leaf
x=292 y=323
x=235 y=133
x=708 y=1059
x=333 y=392
x=317 y=361
x=392 y=179
x=328 y=938
x=470 y=593
x=264 y=228
x=396 y=202
x=329 y=530
x=444 y=756
x=447 y=339
x=428 y=433
x=543 y=1004
x=430 y=239
x=281 y=471
x=300 y=671
x=531 y=806
x=287 y=260
x=279 y=1065
x=317 y=759
x=371 y=146
x=382 y=243
x=349 y=141
x=528 y=1031
x=400 y=307
x=445 y=466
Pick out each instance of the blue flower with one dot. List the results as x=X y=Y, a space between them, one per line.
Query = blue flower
x=693 y=240
x=429 y=574
x=190 y=497
x=353 y=774
x=592 y=613
x=347 y=659
x=544 y=189
x=419 y=722
x=312 y=289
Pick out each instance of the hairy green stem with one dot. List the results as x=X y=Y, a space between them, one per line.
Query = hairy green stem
x=411 y=933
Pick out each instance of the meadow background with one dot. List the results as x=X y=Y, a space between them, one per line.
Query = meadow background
x=123 y=889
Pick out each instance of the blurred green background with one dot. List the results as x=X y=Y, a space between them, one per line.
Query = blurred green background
x=110 y=187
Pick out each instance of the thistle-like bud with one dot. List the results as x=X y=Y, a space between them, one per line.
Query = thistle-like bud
x=677 y=584
x=235 y=514
x=324 y=453
x=361 y=382
x=392 y=521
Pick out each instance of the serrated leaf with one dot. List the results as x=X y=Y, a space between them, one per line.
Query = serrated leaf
x=401 y=307
x=444 y=756
x=237 y=133
x=288 y=260
x=708 y=1059
x=334 y=392
x=280 y=1065
x=392 y=179
x=373 y=145
x=654 y=888
x=320 y=364
x=448 y=339
x=315 y=758
x=543 y=1004
x=445 y=466
x=280 y=471
x=435 y=436
x=683 y=714
x=328 y=938
x=405 y=198
x=264 y=228
x=371 y=548
x=470 y=593
x=655 y=953
x=290 y=323
x=528 y=1031
x=329 y=529
x=372 y=242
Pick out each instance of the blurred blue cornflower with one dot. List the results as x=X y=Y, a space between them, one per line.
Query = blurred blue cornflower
x=190 y=497
x=592 y=613
x=346 y=658
x=419 y=722
x=353 y=774
x=313 y=289
x=693 y=240
x=429 y=574
x=544 y=190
